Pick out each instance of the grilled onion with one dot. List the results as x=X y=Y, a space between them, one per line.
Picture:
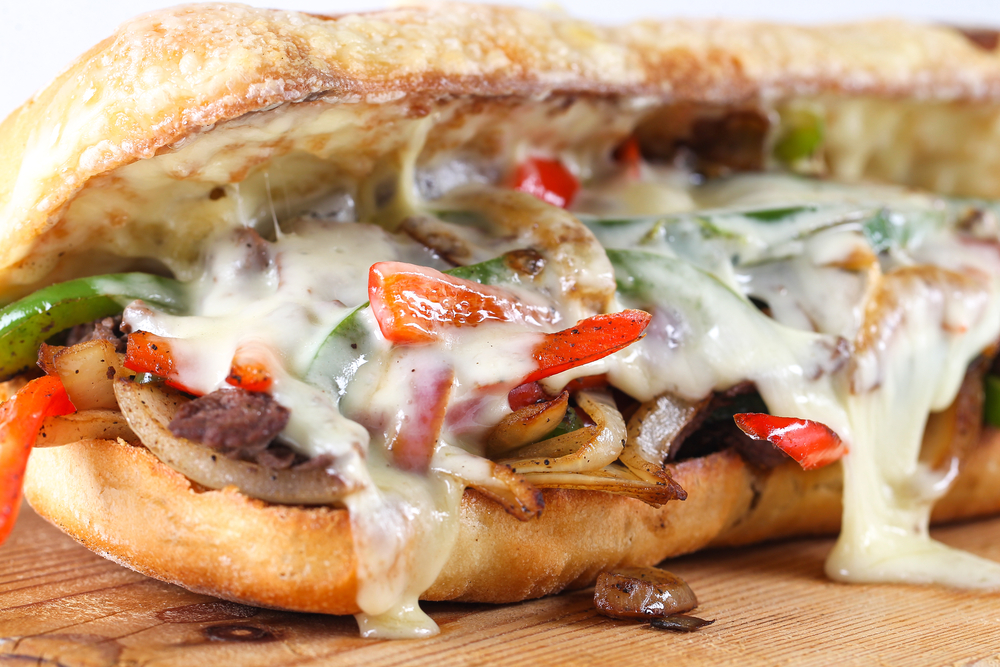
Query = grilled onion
x=526 y=425
x=519 y=497
x=148 y=408
x=86 y=370
x=84 y=425
x=587 y=448
x=949 y=434
x=614 y=478
x=656 y=431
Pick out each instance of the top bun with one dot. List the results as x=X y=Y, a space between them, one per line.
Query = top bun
x=155 y=90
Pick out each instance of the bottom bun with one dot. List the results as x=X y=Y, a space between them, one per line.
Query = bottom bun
x=121 y=502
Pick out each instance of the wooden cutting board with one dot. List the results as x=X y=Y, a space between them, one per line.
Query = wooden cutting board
x=62 y=605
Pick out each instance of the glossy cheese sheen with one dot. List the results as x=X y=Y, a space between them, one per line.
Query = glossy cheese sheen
x=788 y=241
x=878 y=401
x=286 y=297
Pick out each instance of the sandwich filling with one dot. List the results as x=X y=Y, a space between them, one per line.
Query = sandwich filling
x=555 y=320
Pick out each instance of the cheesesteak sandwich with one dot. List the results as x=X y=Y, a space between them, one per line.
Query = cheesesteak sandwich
x=334 y=314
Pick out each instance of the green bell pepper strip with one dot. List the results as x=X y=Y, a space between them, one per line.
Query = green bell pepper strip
x=801 y=136
x=26 y=324
x=991 y=404
x=749 y=236
x=570 y=422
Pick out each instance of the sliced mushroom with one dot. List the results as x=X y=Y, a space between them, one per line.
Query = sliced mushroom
x=642 y=592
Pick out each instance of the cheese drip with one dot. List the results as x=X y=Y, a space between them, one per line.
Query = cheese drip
x=288 y=302
x=918 y=300
x=816 y=253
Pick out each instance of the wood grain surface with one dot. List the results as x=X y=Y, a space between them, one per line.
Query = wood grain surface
x=62 y=605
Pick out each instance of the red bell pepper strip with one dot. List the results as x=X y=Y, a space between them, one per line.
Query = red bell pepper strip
x=416 y=304
x=811 y=444
x=20 y=419
x=530 y=393
x=526 y=394
x=413 y=446
x=629 y=156
x=249 y=370
x=591 y=339
x=148 y=353
x=588 y=382
x=549 y=180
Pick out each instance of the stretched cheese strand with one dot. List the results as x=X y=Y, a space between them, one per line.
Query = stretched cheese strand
x=879 y=402
x=706 y=336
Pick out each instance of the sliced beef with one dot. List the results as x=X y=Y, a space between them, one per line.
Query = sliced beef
x=108 y=328
x=712 y=141
x=235 y=422
x=718 y=431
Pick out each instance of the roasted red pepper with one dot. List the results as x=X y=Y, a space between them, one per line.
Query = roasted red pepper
x=416 y=304
x=591 y=339
x=530 y=393
x=526 y=394
x=149 y=353
x=811 y=444
x=249 y=369
x=629 y=156
x=587 y=382
x=549 y=180
x=20 y=419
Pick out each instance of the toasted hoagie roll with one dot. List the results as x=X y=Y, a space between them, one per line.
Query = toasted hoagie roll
x=472 y=303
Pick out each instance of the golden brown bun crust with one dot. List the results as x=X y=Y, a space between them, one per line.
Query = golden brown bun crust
x=170 y=74
x=121 y=502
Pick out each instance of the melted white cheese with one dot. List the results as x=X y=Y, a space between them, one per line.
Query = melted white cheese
x=888 y=494
x=695 y=272
x=703 y=337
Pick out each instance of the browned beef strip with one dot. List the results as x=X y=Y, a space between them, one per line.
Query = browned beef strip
x=713 y=141
x=717 y=430
x=108 y=328
x=235 y=422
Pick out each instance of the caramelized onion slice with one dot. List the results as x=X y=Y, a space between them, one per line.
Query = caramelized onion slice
x=84 y=425
x=519 y=497
x=529 y=424
x=598 y=445
x=615 y=479
x=148 y=408
x=656 y=431
x=87 y=370
x=951 y=433
x=642 y=592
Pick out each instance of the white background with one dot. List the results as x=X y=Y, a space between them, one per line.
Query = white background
x=39 y=37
